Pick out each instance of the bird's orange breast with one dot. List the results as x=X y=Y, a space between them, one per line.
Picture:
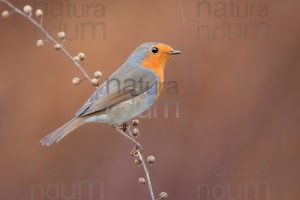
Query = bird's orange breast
x=157 y=62
x=157 y=65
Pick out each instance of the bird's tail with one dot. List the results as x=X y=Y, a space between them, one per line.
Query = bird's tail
x=60 y=133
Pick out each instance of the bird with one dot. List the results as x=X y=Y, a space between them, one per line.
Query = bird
x=127 y=93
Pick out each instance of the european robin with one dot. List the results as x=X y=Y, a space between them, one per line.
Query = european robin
x=127 y=93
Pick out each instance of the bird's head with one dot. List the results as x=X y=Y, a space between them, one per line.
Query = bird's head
x=153 y=55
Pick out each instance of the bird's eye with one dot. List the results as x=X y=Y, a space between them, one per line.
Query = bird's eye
x=154 y=50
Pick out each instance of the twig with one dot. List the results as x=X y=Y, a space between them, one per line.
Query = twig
x=125 y=131
x=44 y=31
x=150 y=188
x=140 y=155
x=128 y=135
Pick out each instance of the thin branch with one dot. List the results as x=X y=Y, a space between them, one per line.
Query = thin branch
x=140 y=156
x=128 y=137
x=150 y=188
x=127 y=132
x=50 y=38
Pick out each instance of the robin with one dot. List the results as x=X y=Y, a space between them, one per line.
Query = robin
x=126 y=94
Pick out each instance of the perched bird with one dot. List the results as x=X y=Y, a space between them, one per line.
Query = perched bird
x=127 y=93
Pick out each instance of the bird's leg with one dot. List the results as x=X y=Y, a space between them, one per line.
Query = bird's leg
x=125 y=126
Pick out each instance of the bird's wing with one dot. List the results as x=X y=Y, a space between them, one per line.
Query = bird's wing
x=120 y=87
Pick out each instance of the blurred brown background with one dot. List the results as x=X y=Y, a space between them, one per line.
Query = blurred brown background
x=237 y=135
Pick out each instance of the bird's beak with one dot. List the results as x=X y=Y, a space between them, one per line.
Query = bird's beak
x=174 y=52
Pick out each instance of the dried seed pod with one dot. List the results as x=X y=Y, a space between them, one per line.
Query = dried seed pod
x=5 y=14
x=98 y=74
x=95 y=82
x=40 y=43
x=134 y=152
x=142 y=181
x=39 y=13
x=27 y=9
x=135 y=132
x=75 y=81
x=135 y=122
x=138 y=162
x=163 y=195
x=81 y=56
x=151 y=159
x=57 y=46
x=61 y=35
